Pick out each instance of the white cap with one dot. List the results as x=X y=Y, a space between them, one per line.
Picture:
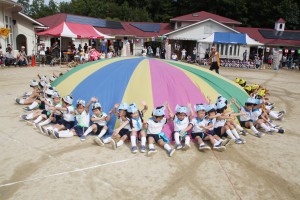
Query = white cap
x=81 y=102
x=96 y=105
x=181 y=109
x=68 y=99
x=159 y=111
x=132 y=108
x=33 y=83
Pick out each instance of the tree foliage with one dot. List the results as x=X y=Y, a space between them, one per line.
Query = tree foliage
x=250 y=13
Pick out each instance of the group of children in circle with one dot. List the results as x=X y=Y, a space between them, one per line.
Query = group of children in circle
x=56 y=117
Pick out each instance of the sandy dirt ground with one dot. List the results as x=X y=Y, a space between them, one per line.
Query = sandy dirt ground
x=34 y=166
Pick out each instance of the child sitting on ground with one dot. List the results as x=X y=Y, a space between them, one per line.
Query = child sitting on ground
x=99 y=126
x=154 y=128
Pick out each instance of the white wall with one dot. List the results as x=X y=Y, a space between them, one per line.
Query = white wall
x=25 y=27
x=198 y=32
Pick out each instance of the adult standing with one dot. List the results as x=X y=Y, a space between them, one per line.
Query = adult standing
x=183 y=54
x=194 y=55
x=85 y=47
x=214 y=60
x=163 y=53
x=245 y=56
x=157 y=53
x=55 y=50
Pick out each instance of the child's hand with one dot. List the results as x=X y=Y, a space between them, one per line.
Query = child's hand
x=143 y=103
x=208 y=98
x=233 y=100
x=189 y=105
x=166 y=104
x=243 y=113
x=94 y=99
x=116 y=105
x=181 y=133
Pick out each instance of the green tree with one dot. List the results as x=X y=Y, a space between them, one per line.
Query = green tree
x=289 y=10
x=26 y=6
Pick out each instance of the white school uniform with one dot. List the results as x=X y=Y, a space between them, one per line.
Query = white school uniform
x=100 y=122
x=180 y=125
x=155 y=127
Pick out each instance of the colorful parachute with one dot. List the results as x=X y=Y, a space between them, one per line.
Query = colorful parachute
x=133 y=79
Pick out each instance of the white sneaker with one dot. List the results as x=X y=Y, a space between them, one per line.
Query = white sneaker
x=186 y=147
x=204 y=147
x=151 y=152
x=113 y=144
x=98 y=141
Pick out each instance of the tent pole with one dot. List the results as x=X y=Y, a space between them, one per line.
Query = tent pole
x=60 y=51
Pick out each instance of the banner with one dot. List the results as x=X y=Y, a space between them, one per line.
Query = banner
x=4 y=32
x=286 y=51
x=292 y=51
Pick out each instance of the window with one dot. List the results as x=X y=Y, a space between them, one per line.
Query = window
x=8 y=24
x=222 y=49
x=280 y=26
x=234 y=50
x=230 y=50
x=179 y=24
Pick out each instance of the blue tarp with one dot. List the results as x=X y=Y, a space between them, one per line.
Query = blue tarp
x=230 y=38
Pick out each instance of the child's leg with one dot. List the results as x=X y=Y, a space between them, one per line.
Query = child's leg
x=122 y=140
x=226 y=129
x=260 y=123
x=166 y=146
x=133 y=138
x=93 y=128
x=187 y=140
x=177 y=140
x=143 y=138
x=103 y=131
x=150 y=142
x=234 y=132
x=252 y=127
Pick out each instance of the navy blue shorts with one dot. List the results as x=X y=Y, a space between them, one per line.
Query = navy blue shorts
x=154 y=136
x=217 y=131
x=211 y=132
x=79 y=130
x=99 y=129
x=42 y=105
x=202 y=135
x=47 y=113
x=67 y=125
x=123 y=132
x=57 y=118
x=243 y=123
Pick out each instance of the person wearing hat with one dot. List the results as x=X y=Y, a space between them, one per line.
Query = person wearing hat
x=99 y=126
x=218 y=143
x=68 y=119
x=261 y=118
x=154 y=128
x=181 y=121
x=55 y=115
x=29 y=97
x=82 y=117
x=123 y=132
x=223 y=127
x=22 y=57
x=200 y=126
x=245 y=119
x=135 y=117
x=214 y=60
x=44 y=104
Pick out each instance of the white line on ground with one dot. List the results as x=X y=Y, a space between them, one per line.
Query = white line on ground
x=67 y=172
